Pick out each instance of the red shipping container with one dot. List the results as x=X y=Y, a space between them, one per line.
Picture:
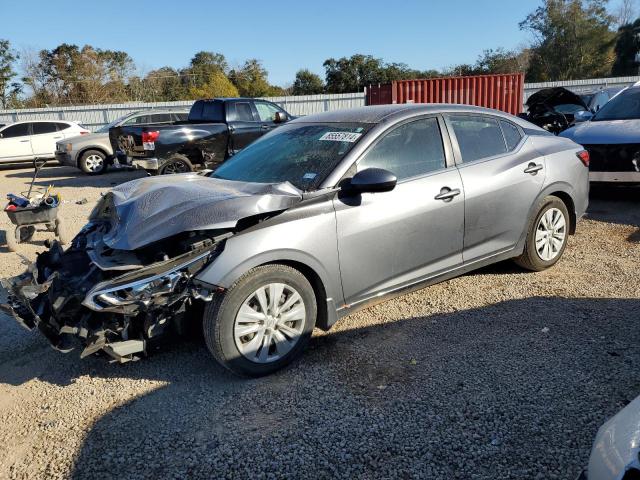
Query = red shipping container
x=501 y=92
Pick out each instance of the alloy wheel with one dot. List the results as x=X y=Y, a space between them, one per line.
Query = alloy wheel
x=269 y=323
x=551 y=233
x=177 y=166
x=94 y=163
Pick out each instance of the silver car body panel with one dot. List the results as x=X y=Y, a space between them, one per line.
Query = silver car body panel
x=616 y=448
x=155 y=208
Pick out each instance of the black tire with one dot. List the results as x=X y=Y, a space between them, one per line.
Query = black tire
x=175 y=164
x=93 y=162
x=530 y=259
x=220 y=317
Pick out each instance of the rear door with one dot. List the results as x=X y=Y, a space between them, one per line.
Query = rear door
x=390 y=240
x=244 y=126
x=502 y=176
x=44 y=137
x=15 y=142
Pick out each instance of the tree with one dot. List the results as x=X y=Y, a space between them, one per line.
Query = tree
x=571 y=39
x=164 y=84
x=626 y=49
x=202 y=66
x=307 y=83
x=218 y=85
x=9 y=90
x=251 y=79
x=625 y=13
x=348 y=75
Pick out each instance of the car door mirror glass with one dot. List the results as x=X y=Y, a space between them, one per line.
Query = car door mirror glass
x=372 y=180
x=280 y=117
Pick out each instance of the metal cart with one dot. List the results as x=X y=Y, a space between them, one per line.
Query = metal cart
x=27 y=219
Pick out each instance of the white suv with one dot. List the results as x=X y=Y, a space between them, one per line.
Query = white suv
x=23 y=141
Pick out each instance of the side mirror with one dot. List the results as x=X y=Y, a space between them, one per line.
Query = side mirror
x=373 y=180
x=280 y=117
x=583 y=116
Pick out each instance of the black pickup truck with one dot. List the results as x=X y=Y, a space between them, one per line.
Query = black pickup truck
x=215 y=130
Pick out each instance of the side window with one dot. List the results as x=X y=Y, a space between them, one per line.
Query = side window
x=409 y=150
x=20 y=130
x=160 y=118
x=137 y=120
x=266 y=111
x=512 y=134
x=243 y=112
x=181 y=117
x=478 y=137
x=44 y=127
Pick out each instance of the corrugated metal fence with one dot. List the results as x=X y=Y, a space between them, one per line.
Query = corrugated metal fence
x=95 y=116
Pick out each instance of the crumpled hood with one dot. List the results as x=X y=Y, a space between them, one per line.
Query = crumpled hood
x=605 y=132
x=154 y=208
x=552 y=97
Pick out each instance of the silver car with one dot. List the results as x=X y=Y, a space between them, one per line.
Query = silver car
x=93 y=153
x=313 y=221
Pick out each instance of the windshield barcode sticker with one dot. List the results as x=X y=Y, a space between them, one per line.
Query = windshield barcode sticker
x=340 y=136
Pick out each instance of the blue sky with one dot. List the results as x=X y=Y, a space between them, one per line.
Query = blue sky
x=286 y=35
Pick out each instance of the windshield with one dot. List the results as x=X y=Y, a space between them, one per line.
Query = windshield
x=586 y=98
x=106 y=128
x=300 y=153
x=624 y=106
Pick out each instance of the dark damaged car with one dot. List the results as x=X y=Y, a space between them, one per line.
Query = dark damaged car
x=316 y=219
x=555 y=109
x=612 y=138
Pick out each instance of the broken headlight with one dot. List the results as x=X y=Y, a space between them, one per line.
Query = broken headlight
x=156 y=285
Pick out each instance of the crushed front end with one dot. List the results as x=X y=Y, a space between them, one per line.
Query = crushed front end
x=114 y=301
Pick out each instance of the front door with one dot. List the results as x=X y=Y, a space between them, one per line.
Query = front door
x=244 y=128
x=15 y=143
x=394 y=239
x=502 y=175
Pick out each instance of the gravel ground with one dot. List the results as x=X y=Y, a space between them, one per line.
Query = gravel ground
x=496 y=374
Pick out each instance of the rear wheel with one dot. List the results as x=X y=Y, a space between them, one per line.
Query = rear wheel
x=176 y=164
x=547 y=236
x=263 y=322
x=93 y=162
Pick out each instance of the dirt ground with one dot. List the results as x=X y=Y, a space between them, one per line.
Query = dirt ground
x=497 y=374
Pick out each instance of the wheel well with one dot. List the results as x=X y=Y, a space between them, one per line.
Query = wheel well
x=568 y=201
x=318 y=289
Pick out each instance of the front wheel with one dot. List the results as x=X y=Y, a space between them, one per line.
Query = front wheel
x=93 y=162
x=263 y=322
x=547 y=236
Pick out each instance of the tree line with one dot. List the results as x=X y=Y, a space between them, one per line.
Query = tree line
x=570 y=39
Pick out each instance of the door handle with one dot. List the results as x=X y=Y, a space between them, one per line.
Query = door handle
x=24 y=141
x=231 y=128
x=57 y=138
x=446 y=194
x=533 y=168
x=265 y=127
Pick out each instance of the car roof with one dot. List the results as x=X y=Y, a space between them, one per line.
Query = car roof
x=381 y=113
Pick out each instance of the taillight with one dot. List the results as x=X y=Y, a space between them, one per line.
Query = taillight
x=584 y=157
x=84 y=132
x=150 y=137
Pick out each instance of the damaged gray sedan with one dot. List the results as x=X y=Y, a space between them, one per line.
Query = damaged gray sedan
x=318 y=218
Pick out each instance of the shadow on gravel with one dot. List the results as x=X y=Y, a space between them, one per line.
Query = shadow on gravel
x=514 y=390
x=619 y=205
x=62 y=176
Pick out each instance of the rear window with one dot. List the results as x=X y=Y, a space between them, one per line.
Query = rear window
x=207 y=111
x=478 y=137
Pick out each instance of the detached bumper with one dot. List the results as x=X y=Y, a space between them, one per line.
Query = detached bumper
x=146 y=163
x=615 y=177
